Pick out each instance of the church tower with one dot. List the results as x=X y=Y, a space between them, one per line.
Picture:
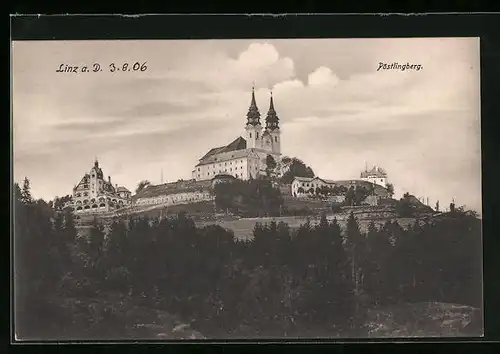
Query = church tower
x=272 y=127
x=253 y=127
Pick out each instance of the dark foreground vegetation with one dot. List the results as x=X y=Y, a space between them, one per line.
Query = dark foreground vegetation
x=282 y=283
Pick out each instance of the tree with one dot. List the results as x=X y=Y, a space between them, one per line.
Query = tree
x=404 y=207
x=295 y=168
x=350 y=196
x=26 y=196
x=360 y=193
x=390 y=189
x=141 y=185
x=270 y=166
x=59 y=203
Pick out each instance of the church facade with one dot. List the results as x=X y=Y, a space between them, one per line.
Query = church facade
x=94 y=194
x=245 y=158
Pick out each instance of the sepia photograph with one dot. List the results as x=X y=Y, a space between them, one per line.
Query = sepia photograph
x=246 y=189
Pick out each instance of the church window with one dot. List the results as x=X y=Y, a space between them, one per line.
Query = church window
x=230 y=169
x=257 y=135
x=276 y=139
x=225 y=163
x=85 y=186
x=250 y=135
x=85 y=194
x=198 y=169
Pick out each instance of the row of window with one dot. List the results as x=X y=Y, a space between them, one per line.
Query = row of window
x=87 y=207
x=257 y=136
x=220 y=164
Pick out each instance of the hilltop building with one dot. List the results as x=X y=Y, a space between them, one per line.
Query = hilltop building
x=95 y=194
x=376 y=176
x=244 y=158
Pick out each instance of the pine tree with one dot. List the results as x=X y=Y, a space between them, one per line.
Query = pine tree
x=26 y=196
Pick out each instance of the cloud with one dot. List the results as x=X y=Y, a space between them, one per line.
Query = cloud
x=322 y=77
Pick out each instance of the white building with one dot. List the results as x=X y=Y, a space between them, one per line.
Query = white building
x=301 y=186
x=175 y=193
x=245 y=158
x=94 y=194
x=376 y=176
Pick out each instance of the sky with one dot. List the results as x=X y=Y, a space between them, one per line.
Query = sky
x=337 y=111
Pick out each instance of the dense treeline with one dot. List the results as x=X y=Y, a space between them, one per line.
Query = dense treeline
x=279 y=283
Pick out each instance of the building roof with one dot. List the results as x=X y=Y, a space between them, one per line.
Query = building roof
x=227 y=156
x=238 y=144
x=375 y=172
x=181 y=186
x=122 y=189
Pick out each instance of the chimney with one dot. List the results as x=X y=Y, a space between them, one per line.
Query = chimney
x=109 y=179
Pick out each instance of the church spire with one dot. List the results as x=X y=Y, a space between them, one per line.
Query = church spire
x=96 y=163
x=253 y=115
x=272 y=120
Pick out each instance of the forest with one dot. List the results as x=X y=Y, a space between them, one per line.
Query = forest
x=280 y=283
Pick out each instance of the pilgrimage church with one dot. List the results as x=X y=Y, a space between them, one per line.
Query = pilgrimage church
x=245 y=158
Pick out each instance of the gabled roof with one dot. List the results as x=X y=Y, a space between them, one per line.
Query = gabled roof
x=375 y=171
x=212 y=151
x=239 y=144
x=122 y=189
x=227 y=156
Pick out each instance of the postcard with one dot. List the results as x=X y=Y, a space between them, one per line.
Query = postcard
x=247 y=189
